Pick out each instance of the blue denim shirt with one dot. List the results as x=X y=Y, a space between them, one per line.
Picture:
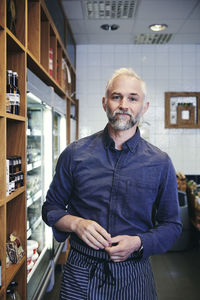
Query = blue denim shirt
x=128 y=192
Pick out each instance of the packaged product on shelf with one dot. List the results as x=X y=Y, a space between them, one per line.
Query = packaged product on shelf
x=51 y=61
x=12 y=93
x=10 y=294
x=14 y=175
x=193 y=193
x=14 y=249
x=181 y=181
x=16 y=93
x=9 y=93
x=7 y=177
x=13 y=286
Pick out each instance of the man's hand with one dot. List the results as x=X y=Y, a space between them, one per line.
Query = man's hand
x=126 y=245
x=92 y=233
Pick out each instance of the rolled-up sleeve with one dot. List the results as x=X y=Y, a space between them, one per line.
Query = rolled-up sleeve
x=58 y=195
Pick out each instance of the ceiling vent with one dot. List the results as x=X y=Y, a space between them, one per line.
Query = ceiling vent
x=110 y=9
x=158 y=38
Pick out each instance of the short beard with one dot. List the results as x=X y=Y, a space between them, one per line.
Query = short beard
x=119 y=124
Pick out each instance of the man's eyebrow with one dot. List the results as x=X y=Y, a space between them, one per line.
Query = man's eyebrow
x=134 y=94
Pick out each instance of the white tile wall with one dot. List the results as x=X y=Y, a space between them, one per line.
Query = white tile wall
x=164 y=68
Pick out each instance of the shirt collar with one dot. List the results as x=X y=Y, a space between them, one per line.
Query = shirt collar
x=128 y=145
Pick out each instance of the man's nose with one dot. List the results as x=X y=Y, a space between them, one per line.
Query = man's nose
x=123 y=104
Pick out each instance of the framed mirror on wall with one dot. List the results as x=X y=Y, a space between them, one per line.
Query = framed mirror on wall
x=182 y=110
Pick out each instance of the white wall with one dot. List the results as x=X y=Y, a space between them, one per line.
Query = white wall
x=164 y=68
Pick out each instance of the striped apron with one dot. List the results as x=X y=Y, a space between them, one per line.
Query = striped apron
x=91 y=275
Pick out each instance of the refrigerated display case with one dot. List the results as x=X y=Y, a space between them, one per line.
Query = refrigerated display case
x=59 y=143
x=59 y=136
x=39 y=175
x=46 y=138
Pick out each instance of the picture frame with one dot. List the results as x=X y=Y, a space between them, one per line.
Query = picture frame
x=182 y=109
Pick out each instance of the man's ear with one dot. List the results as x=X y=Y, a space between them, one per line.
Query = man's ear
x=104 y=103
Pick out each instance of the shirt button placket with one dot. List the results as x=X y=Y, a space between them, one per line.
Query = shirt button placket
x=113 y=196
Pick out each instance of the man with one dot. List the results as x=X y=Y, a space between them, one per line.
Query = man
x=116 y=195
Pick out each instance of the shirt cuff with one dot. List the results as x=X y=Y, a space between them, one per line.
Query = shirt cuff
x=60 y=236
x=54 y=215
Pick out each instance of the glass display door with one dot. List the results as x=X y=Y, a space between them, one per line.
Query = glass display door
x=39 y=176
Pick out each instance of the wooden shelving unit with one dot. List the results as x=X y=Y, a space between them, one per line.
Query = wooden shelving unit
x=28 y=46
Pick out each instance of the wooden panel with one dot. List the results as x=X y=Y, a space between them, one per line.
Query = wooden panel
x=2 y=14
x=16 y=139
x=20 y=24
x=45 y=42
x=20 y=278
x=12 y=270
x=16 y=218
x=2 y=240
x=2 y=159
x=18 y=29
x=34 y=29
x=2 y=71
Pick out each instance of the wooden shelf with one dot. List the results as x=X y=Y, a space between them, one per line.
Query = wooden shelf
x=15 y=117
x=16 y=193
x=28 y=46
x=13 y=43
x=12 y=270
x=43 y=74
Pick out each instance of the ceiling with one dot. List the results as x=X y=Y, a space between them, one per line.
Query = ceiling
x=134 y=17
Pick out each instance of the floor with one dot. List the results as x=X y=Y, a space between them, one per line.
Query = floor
x=177 y=276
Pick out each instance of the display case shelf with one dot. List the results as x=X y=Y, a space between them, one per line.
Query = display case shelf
x=34 y=198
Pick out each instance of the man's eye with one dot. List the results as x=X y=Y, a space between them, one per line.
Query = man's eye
x=132 y=99
x=116 y=97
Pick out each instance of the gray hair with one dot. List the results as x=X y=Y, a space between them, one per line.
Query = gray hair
x=128 y=72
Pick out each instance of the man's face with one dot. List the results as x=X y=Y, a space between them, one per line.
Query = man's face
x=124 y=105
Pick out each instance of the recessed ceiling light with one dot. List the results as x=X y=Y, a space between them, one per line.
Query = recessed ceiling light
x=158 y=27
x=105 y=27
x=108 y=27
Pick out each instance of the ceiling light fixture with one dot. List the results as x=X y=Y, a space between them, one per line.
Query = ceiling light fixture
x=108 y=27
x=158 y=27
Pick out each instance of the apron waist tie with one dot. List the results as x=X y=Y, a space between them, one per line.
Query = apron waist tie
x=107 y=272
